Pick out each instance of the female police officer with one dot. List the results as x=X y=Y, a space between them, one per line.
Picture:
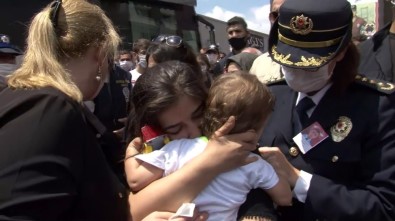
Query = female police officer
x=350 y=173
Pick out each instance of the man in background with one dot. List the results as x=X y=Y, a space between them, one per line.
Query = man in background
x=125 y=60
x=238 y=39
x=8 y=57
x=212 y=54
x=111 y=107
x=378 y=52
x=139 y=52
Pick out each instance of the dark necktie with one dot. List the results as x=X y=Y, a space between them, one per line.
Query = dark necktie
x=303 y=106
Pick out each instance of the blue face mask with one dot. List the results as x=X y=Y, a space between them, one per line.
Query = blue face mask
x=126 y=65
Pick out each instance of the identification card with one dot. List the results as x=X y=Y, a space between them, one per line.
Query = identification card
x=310 y=137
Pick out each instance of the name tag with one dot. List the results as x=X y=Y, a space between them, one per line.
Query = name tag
x=310 y=137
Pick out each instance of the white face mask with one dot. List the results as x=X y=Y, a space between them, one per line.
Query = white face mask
x=142 y=61
x=306 y=81
x=126 y=65
x=7 y=69
x=212 y=58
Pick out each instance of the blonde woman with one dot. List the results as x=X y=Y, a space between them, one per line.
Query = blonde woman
x=51 y=166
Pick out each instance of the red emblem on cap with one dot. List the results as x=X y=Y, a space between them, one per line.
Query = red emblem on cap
x=301 y=25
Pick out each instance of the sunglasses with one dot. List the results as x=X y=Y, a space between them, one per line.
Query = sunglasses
x=54 y=14
x=172 y=40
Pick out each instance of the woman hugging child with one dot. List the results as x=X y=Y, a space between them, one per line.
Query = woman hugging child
x=243 y=96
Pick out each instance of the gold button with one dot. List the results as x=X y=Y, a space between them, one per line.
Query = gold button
x=293 y=151
x=335 y=159
x=120 y=195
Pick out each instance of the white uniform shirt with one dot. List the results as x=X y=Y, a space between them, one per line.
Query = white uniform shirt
x=224 y=195
x=134 y=75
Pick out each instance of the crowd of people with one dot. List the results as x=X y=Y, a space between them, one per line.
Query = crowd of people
x=304 y=131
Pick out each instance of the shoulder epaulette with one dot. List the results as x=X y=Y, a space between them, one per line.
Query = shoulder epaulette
x=379 y=85
x=275 y=80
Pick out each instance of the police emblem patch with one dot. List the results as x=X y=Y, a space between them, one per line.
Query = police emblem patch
x=126 y=93
x=341 y=129
x=301 y=25
x=4 y=39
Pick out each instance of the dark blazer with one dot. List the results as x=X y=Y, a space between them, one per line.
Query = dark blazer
x=51 y=166
x=353 y=179
x=376 y=58
x=111 y=104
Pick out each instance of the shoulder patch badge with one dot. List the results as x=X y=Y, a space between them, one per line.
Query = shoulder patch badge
x=275 y=80
x=379 y=85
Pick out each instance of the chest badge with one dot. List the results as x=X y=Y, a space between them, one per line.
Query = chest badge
x=126 y=93
x=341 y=129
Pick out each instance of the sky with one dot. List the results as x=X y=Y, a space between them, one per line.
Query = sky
x=255 y=12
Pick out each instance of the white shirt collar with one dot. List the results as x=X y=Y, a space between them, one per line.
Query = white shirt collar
x=316 y=97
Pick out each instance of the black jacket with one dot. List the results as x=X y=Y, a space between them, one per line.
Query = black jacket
x=51 y=165
x=376 y=60
x=112 y=104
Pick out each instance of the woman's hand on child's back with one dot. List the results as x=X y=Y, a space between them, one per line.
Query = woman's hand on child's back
x=229 y=151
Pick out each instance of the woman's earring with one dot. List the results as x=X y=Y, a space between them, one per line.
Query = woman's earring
x=98 y=76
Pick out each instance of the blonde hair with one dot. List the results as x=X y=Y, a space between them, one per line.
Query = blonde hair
x=238 y=94
x=80 y=26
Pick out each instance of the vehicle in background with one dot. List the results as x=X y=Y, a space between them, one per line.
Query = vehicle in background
x=134 y=19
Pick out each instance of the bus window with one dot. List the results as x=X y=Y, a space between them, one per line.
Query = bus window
x=191 y=38
x=148 y=20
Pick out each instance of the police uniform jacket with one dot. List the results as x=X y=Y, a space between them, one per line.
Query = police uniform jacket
x=112 y=104
x=51 y=166
x=353 y=179
x=376 y=58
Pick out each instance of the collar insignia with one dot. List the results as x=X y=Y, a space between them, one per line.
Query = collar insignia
x=301 y=25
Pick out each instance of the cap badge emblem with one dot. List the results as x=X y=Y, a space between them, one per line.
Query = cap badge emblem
x=4 y=39
x=341 y=129
x=301 y=25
